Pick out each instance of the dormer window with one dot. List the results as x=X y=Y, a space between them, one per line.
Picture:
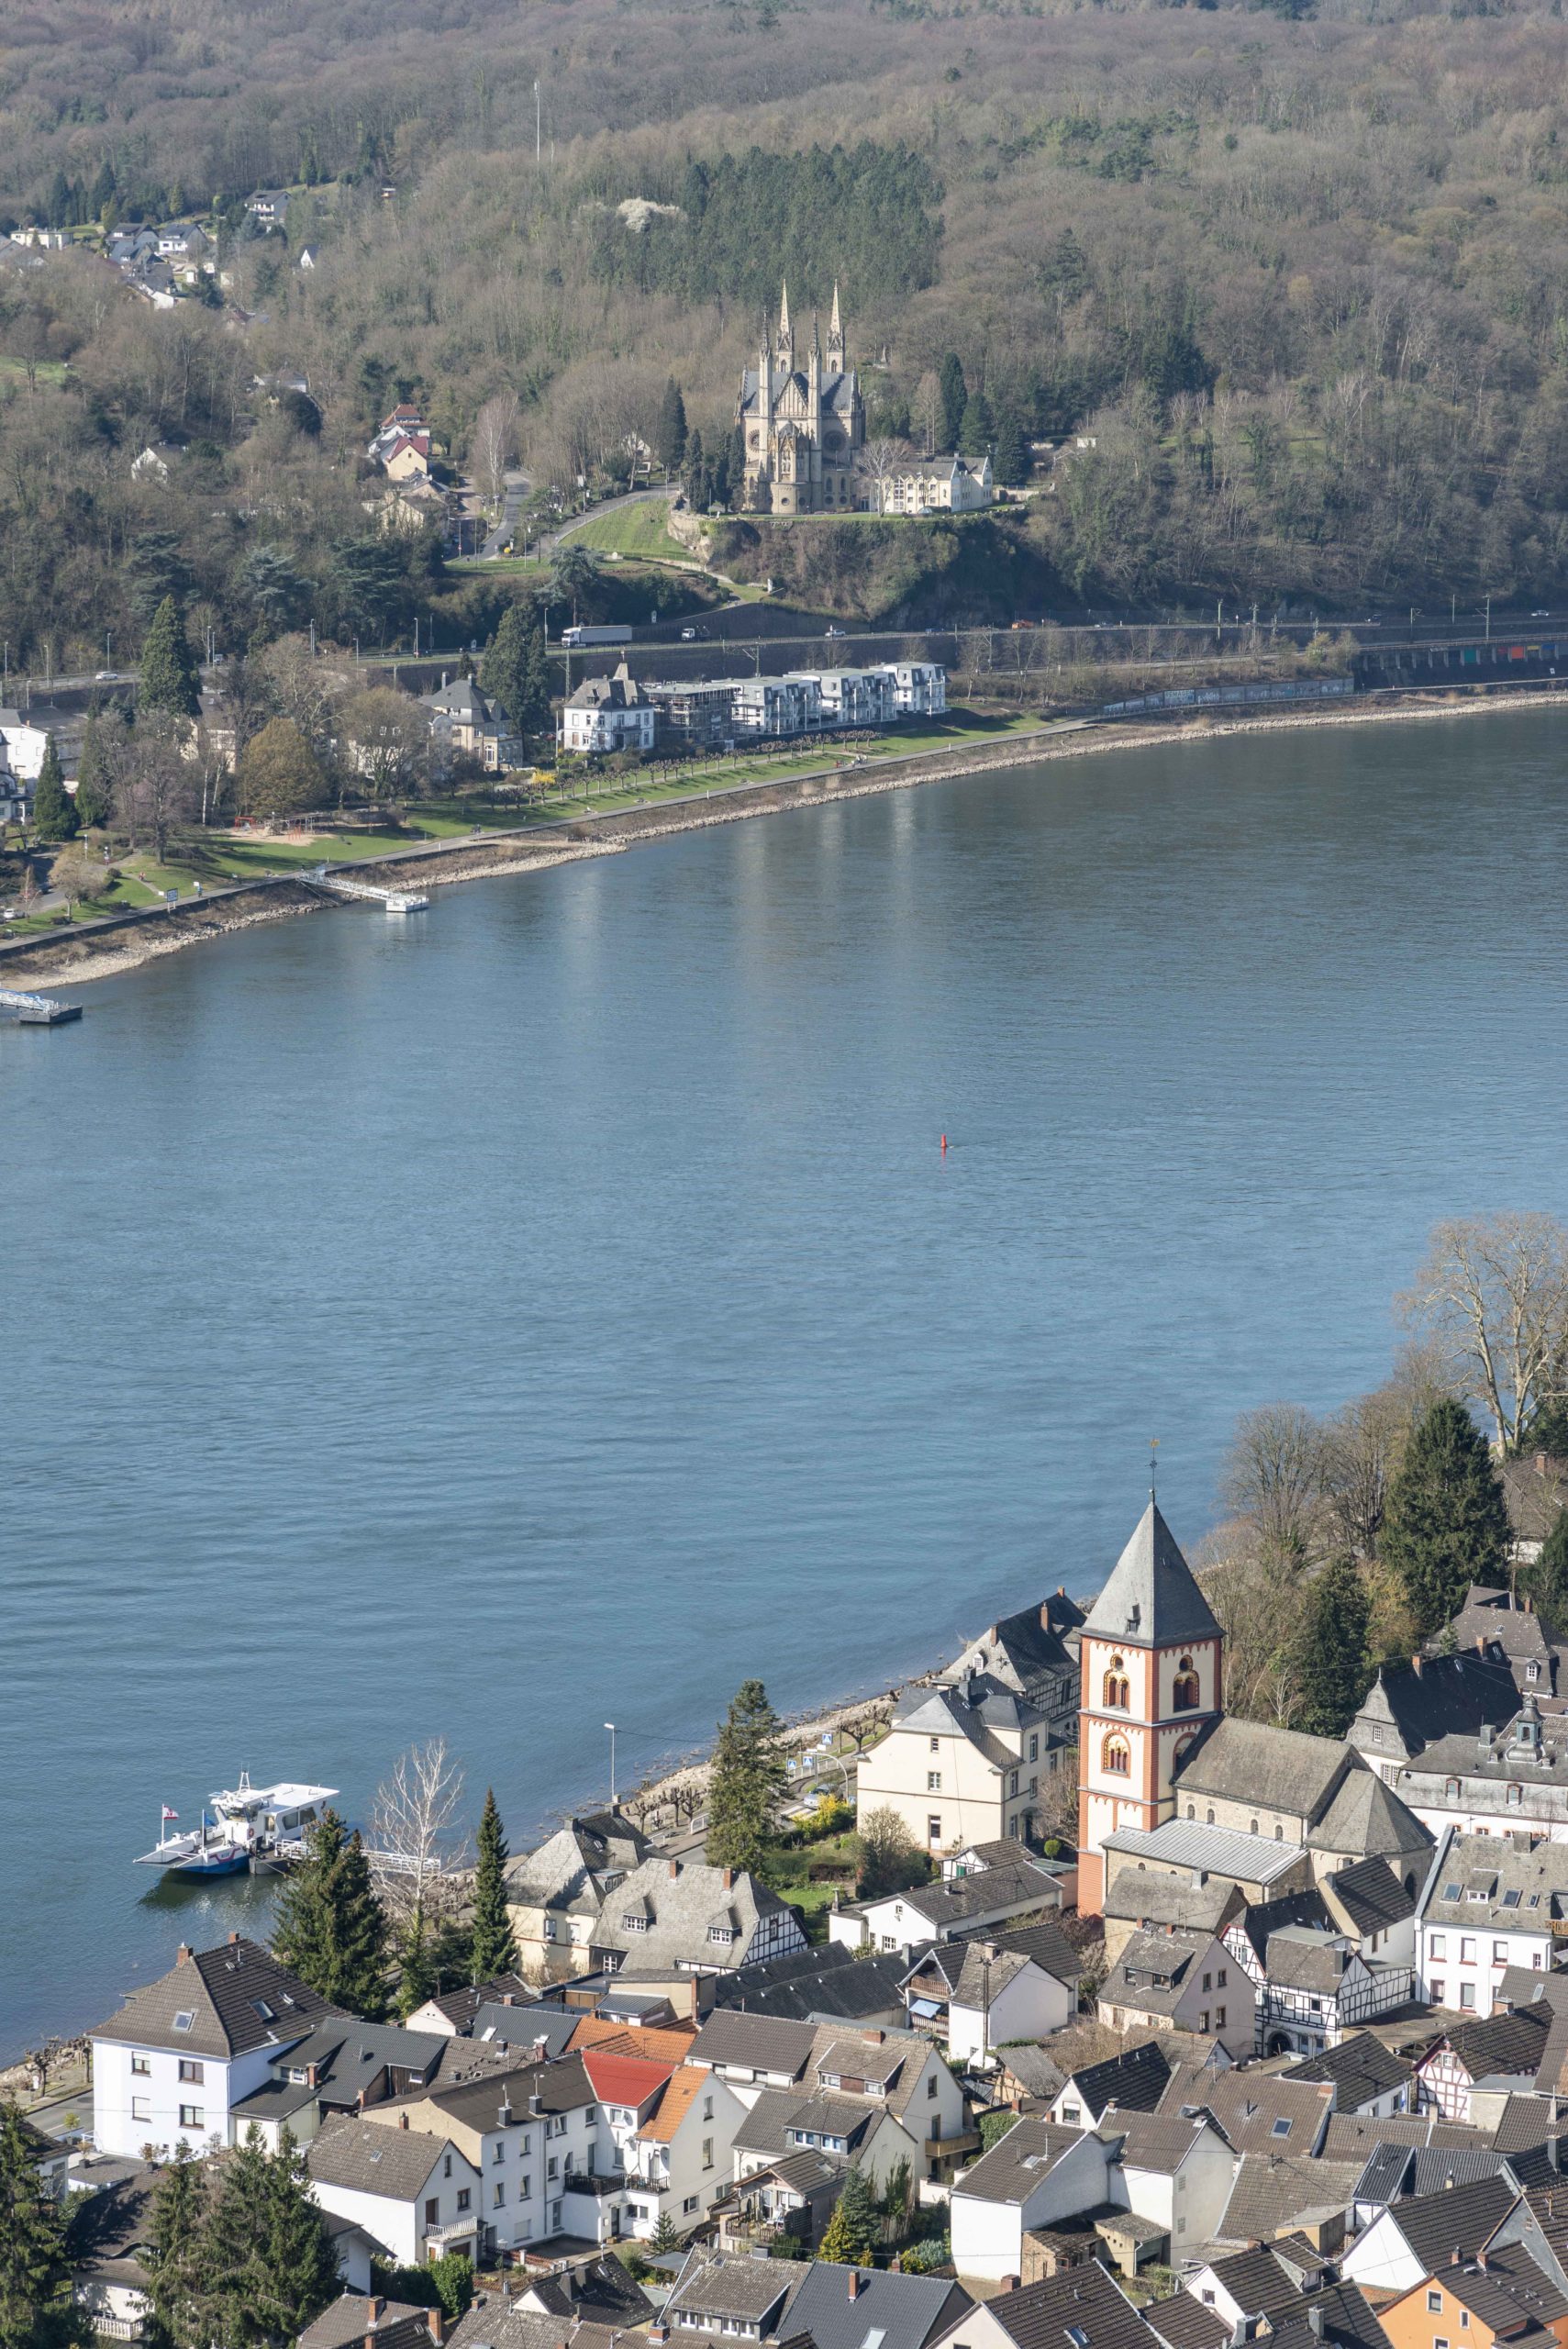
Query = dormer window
x=634 y=1924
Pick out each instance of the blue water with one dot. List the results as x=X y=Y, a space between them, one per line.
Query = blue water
x=552 y=1309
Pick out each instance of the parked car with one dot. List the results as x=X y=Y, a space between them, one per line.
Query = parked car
x=831 y=631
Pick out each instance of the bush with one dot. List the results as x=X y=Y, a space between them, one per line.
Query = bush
x=923 y=2258
x=994 y=2127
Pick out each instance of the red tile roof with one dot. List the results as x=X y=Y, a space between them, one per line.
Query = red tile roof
x=624 y=2079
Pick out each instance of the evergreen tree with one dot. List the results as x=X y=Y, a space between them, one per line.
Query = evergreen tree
x=169 y=676
x=979 y=427
x=1333 y=1662
x=1546 y=1581
x=664 y=2236
x=669 y=432
x=1011 y=461
x=494 y=1951
x=35 y=2274
x=232 y=2251
x=748 y=1778
x=696 y=473
x=54 y=816
x=516 y=671
x=1446 y=1525
x=954 y=398
x=330 y=1929
x=300 y=2268
x=93 y=791
x=853 y=2229
x=179 y=2211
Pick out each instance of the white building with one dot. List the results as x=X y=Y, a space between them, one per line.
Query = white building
x=898 y=1922
x=874 y=2097
x=1174 y=2169
x=184 y=2050
x=976 y=1995
x=607 y=714
x=920 y=690
x=679 y=2159
x=854 y=696
x=416 y=2194
x=1499 y=1781
x=939 y=485
x=25 y=744
x=1490 y=1902
x=960 y=1765
x=1039 y=2174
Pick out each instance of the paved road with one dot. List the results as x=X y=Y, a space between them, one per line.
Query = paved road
x=516 y=489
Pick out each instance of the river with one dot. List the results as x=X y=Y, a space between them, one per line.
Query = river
x=552 y=1309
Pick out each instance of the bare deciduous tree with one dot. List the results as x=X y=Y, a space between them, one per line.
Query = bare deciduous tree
x=878 y=462
x=926 y=408
x=1261 y=1612
x=494 y=444
x=154 y=782
x=1362 y=1449
x=1494 y=1295
x=418 y=1853
x=1274 y=1474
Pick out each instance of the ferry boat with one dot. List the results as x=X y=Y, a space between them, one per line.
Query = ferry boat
x=261 y=1829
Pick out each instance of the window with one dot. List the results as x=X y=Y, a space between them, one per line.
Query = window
x=552 y=2168
x=724 y=1934
x=447 y=2167
x=1467 y=1994
x=464 y=2198
x=930 y=2086
x=1114 y=1757
x=933 y=1782
x=1034 y=1747
x=1208 y=1981
x=936 y=1745
x=1515 y=1794
x=142 y=2066
x=498 y=2194
x=1279 y=1832
x=1435 y=2303
x=1435 y=1988
x=707 y=2152
x=1185 y=1695
x=1211 y=1815
x=184 y=2019
x=433 y=2211
x=1192 y=1810
x=1466 y=1951
x=1220 y=1977
x=1219 y=2017
x=192 y=2117
x=1438 y=1944
x=1499 y=1953
x=526 y=2187
x=142 y=2108
x=191 y=2072
x=1013 y=1784
x=934 y=1830
x=1451 y=1892
x=1511 y=1899
x=707 y=2107
x=1116 y=1687
x=1203 y=2019
x=1282 y=2128
x=267 y=2013
x=1252 y=1826
x=890 y=1940
x=691 y=2202
x=634 y=1924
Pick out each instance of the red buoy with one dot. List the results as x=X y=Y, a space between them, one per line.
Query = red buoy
x=944 y=1145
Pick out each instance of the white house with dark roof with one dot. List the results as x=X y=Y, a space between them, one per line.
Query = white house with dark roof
x=963 y=1762
x=1490 y=1902
x=975 y=1995
x=418 y=2196
x=1499 y=1780
x=1173 y=2169
x=673 y=1917
x=555 y=1894
x=877 y=2097
x=1181 y=1981
x=900 y=1921
x=1084 y=2308
x=1037 y=2175
x=607 y=714
x=171 y=2068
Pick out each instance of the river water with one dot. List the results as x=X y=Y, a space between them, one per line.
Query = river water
x=552 y=1309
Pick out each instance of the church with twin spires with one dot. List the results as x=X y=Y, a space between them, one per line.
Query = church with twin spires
x=802 y=422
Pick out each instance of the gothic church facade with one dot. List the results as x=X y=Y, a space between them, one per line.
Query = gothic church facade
x=802 y=422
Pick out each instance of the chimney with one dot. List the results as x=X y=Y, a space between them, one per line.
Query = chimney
x=1010 y=2283
x=183 y=1954
x=438 y=2324
x=535 y=2102
x=402 y=2121
x=729 y=1879
x=1480 y=1644
x=1315 y=2319
x=854 y=2283
x=874 y=2036
x=503 y=2117
x=674 y=1870
x=508 y=1998
x=374 y=2311
x=1481 y=2261
x=233 y=1940
x=1416 y=1665
x=659 y=2332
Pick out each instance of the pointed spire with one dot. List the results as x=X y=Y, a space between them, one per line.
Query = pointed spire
x=1151 y=1599
x=786 y=340
x=835 y=323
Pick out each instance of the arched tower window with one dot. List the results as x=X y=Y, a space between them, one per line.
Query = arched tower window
x=1114 y=1757
x=1184 y=1696
x=1117 y=1691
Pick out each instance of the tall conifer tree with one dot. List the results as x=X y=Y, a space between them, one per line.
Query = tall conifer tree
x=1446 y=1525
x=301 y=2267
x=748 y=1777
x=35 y=2274
x=175 y=2269
x=170 y=679
x=1546 y=1581
x=669 y=432
x=54 y=818
x=1333 y=1663
x=330 y=1929
x=494 y=1951
x=854 y=2228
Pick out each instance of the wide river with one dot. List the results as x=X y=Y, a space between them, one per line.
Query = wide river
x=551 y=1311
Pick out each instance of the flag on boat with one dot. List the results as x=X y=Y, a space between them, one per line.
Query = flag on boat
x=170 y=1814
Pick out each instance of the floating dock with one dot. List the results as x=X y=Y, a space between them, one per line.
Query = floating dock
x=392 y=901
x=37 y=1010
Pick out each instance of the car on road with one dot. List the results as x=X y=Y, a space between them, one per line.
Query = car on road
x=1540 y=616
x=106 y=676
x=694 y=635
x=831 y=631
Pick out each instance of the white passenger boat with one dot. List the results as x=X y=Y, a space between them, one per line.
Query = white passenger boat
x=255 y=1828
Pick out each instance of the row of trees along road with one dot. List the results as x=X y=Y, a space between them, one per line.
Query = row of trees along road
x=1356 y=1538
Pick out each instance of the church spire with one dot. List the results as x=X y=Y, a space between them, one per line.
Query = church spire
x=836 y=334
x=786 y=338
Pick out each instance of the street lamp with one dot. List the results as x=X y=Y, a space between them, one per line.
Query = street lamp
x=611 y=1727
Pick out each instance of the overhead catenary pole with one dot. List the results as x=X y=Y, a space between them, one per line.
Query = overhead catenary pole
x=611 y=1727
x=538 y=129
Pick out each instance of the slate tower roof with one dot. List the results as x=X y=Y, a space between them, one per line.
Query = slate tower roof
x=1151 y=1598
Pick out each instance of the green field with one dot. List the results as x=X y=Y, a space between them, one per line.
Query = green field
x=632 y=529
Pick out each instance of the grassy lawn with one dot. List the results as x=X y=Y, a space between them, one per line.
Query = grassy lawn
x=635 y=530
x=48 y=371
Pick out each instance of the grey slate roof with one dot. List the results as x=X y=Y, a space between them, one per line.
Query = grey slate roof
x=525 y=2026
x=1511 y=2045
x=771 y=2125
x=110 y=2229
x=1151 y=1597
x=353 y=2319
x=1511 y=2294
x=1261 y=2112
x=1352 y=2136
x=369 y=2157
x=1404 y=1710
x=600 y=2291
x=1034 y=1652
x=1154 y=1970
x=1263 y=1919
x=1133 y=2081
x=1046 y=1944
x=1300 y=1959
x=899 y=2311
x=475 y=2100
x=1274 y=2190
x=1372 y=1894
x=493 y=2322
x=1396 y=2171
x=569 y=1872
x=1035 y=2071
x=460 y=2006
x=1154 y=1897
x=832 y=1981
x=1083 y=2306
x=761 y=2042
x=1155 y=2140
x=1462 y=2218
x=1345 y=2316
x=727 y=2284
x=683 y=1899
x=1367 y=1818
x=1360 y=2068
x=238 y=1998
x=1183 y=2322
x=1016 y=2164
x=1278 y=1769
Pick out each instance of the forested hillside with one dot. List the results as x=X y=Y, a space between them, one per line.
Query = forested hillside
x=1298 y=276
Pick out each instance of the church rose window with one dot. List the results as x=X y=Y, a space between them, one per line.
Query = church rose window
x=1116 y=1685
x=1114 y=1754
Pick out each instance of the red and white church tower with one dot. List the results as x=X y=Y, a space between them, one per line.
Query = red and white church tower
x=1150 y=1655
